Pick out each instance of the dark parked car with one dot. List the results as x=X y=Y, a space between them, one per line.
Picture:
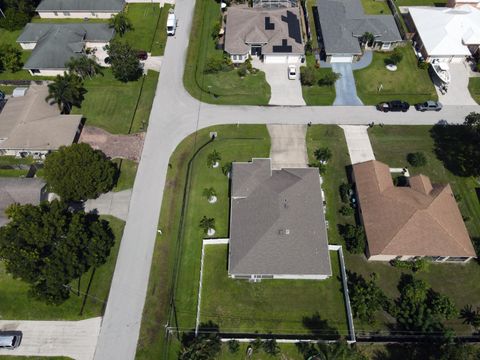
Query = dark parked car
x=429 y=105
x=395 y=105
x=142 y=55
x=10 y=339
x=2 y=95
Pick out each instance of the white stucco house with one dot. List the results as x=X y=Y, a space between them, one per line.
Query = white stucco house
x=274 y=35
x=446 y=34
x=53 y=45
x=79 y=9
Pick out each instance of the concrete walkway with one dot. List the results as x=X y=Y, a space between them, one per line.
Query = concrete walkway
x=111 y=203
x=74 y=339
x=364 y=61
x=457 y=93
x=345 y=88
x=288 y=148
x=284 y=91
x=358 y=142
x=152 y=63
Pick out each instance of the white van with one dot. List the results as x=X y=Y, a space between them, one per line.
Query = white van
x=171 y=23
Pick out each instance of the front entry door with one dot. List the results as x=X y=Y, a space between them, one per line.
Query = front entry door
x=257 y=50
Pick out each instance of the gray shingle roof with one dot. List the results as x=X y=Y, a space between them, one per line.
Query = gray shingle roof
x=247 y=26
x=19 y=190
x=81 y=5
x=343 y=21
x=57 y=43
x=277 y=221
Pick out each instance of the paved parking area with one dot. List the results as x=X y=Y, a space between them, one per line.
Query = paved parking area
x=288 y=148
x=457 y=93
x=284 y=91
x=75 y=339
x=358 y=142
x=346 y=90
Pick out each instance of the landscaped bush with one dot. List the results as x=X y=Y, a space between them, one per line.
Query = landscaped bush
x=329 y=79
x=413 y=265
x=242 y=70
x=233 y=346
x=396 y=57
x=355 y=239
x=417 y=159
x=323 y=154
x=10 y=58
x=347 y=210
x=345 y=189
x=213 y=65
x=307 y=76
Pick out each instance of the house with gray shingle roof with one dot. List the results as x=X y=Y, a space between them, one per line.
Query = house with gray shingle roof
x=20 y=191
x=53 y=45
x=342 y=24
x=79 y=9
x=274 y=35
x=277 y=223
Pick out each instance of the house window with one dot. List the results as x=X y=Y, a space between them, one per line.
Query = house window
x=93 y=14
x=66 y=13
x=439 y=258
x=35 y=71
x=55 y=13
x=386 y=46
x=457 y=258
x=235 y=57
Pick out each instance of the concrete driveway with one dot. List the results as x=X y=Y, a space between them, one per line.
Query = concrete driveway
x=288 y=148
x=358 y=143
x=346 y=90
x=284 y=91
x=74 y=339
x=111 y=203
x=457 y=93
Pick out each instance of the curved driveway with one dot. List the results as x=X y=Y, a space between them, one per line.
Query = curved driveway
x=175 y=115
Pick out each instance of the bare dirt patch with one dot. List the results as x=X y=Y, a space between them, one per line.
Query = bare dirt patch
x=114 y=146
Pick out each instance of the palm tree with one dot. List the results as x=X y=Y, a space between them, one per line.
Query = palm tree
x=84 y=66
x=470 y=316
x=213 y=159
x=367 y=38
x=208 y=225
x=66 y=91
x=120 y=23
x=210 y=194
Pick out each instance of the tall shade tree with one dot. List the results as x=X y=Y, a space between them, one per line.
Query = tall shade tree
x=10 y=58
x=124 y=61
x=66 y=91
x=78 y=172
x=48 y=246
x=120 y=23
x=84 y=66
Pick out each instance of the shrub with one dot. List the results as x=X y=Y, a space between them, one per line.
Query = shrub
x=213 y=65
x=329 y=79
x=345 y=192
x=354 y=238
x=346 y=210
x=396 y=57
x=423 y=65
x=323 y=154
x=413 y=265
x=216 y=30
x=242 y=71
x=417 y=159
x=233 y=346
x=307 y=75
x=308 y=47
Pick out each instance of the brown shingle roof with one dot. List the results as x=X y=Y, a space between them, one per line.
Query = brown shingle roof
x=419 y=220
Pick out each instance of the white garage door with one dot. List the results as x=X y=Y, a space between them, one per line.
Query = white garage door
x=275 y=59
x=341 y=59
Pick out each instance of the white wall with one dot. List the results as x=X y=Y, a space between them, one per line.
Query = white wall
x=75 y=15
x=382 y=257
x=28 y=46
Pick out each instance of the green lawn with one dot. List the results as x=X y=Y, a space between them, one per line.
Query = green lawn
x=6 y=89
x=16 y=304
x=318 y=95
x=223 y=87
x=310 y=4
x=277 y=306
x=144 y=19
x=9 y=357
x=8 y=164
x=408 y=83
x=376 y=7
x=111 y=104
x=128 y=170
x=160 y=38
x=474 y=87
x=331 y=136
x=287 y=352
x=460 y=282
x=234 y=143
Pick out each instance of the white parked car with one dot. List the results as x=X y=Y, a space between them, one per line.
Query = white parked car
x=292 y=72
x=171 y=23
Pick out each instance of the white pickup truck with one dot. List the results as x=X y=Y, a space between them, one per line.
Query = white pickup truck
x=171 y=23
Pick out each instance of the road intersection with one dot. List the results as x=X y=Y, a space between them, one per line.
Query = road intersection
x=175 y=115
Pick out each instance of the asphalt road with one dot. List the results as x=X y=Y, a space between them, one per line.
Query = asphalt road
x=175 y=115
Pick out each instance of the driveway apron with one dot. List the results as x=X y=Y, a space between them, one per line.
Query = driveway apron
x=345 y=86
x=288 y=147
x=358 y=143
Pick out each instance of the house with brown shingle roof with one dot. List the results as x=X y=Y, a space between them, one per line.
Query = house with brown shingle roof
x=418 y=220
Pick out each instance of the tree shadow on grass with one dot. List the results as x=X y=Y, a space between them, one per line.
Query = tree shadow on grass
x=457 y=147
x=320 y=327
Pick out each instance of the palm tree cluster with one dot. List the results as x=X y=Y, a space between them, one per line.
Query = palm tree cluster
x=213 y=158
x=207 y=224
x=120 y=23
x=84 y=66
